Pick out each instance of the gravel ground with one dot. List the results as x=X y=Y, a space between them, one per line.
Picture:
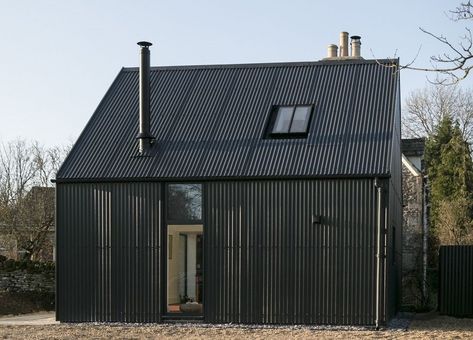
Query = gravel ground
x=434 y=327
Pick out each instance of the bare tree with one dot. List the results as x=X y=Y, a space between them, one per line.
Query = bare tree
x=16 y=166
x=425 y=108
x=26 y=193
x=455 y=64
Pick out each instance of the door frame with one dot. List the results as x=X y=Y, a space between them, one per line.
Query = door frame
x=164 y=253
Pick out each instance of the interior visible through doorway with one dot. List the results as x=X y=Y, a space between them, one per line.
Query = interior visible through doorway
x=184 y=249
x=185 y=284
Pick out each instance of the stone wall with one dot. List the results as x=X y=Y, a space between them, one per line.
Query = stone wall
x=24 y=281
x=412 y=239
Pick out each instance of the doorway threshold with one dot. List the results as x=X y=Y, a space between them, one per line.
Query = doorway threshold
x=183 y=318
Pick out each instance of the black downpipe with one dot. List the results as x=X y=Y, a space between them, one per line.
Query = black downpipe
x=379 y=209
x=145 y=137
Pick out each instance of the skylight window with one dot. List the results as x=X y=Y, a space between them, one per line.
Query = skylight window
x=283 y=119
x=300 y=119
x=289 y=121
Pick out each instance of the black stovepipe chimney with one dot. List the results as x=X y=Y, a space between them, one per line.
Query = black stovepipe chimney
x=144 y=137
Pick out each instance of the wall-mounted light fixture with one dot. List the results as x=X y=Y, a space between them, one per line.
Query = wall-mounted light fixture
x=316 y=219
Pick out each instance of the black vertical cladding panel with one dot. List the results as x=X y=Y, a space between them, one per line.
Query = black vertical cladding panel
x=267 y=262
x=60 y=284
x=108 y=243
x=393 y=259
x=456 y=280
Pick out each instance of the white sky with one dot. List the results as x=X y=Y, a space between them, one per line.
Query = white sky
x=58 y=58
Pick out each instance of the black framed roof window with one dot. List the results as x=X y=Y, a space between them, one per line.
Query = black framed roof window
x=289 y=121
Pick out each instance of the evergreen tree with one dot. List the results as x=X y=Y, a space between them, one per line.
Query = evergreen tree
x=450 y=170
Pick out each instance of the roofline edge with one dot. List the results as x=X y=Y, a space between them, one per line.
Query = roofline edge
x=271 y=64
x=214 y=179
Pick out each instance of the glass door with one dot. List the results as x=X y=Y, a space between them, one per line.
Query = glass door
x=184 y=249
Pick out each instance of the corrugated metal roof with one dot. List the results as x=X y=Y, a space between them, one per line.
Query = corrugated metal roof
x=209 y=122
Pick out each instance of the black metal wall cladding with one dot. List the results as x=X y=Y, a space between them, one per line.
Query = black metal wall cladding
x=108 y=252
x=267 y=262
x=456 y=280
x=394 y=223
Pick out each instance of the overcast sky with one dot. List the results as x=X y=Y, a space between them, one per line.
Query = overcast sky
x=58 y=58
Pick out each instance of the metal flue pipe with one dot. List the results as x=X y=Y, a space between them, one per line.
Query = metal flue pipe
x=145 y=137
x=356 y=46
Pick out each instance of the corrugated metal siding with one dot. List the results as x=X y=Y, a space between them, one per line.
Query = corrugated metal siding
x=209 y=123
x=456 y=280
x=266 y=262
x=394 y=222
x=264 y=259
x=108 y=252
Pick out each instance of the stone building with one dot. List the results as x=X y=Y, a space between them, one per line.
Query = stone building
x=415 y=224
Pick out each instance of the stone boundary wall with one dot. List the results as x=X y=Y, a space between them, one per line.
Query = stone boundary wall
x=23 y=281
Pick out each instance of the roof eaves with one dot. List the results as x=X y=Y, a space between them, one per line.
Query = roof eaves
x=208 y=179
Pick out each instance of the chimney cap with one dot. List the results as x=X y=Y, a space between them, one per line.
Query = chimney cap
x=144 y=43
x=355 y=37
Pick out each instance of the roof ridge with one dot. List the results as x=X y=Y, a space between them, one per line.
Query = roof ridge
x=270 y=64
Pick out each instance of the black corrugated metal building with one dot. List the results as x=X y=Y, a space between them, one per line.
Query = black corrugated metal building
x=297 y=172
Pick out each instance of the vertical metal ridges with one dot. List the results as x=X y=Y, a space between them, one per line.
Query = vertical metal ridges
x=210 y=122
x=393 y=237
x=265 y=259
x=456 y=280
x=266 y=262
x=108 y=252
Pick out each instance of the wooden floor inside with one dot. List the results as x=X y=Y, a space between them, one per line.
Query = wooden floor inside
x=174 y=308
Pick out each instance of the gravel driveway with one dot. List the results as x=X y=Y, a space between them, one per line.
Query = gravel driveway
x=437 y=327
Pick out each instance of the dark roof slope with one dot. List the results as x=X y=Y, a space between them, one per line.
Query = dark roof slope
x=413 y=146
x=209 y=122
